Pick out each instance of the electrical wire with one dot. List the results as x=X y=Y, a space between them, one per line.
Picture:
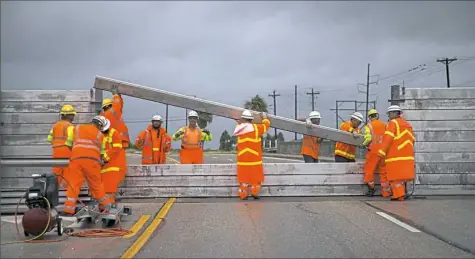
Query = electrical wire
x=96 y=232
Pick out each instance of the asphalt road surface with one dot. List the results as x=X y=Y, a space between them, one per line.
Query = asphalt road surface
x=135 y=158
x=274 y=228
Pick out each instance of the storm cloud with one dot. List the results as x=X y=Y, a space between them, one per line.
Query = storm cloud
x=231 y=51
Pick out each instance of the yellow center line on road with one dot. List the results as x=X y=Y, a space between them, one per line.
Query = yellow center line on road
x=137 y=226
x=142 y=240
x=173 y=160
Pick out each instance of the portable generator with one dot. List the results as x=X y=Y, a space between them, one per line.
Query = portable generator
x=35 y=220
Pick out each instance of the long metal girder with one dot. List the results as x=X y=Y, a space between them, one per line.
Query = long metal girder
x=223 y=110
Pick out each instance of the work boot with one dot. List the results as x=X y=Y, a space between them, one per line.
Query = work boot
x=371 y=191
x=256 y=197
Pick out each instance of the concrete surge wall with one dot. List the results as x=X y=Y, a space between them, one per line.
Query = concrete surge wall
x=327 y=148
x=444 y=126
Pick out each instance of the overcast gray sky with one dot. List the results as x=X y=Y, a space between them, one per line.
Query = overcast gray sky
x=230 y=51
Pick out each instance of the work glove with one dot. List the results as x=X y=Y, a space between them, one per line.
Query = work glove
x=355 y=135
x=206 y=131
x=263 y=115
x=102 y=162
x=115 y=89
x=308 y=124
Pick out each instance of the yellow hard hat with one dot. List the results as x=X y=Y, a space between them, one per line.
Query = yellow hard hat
x=67 y=109
x=106 y=102
x=372 y=111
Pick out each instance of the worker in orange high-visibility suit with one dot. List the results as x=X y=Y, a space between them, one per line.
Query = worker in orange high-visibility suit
x=311 y=144
x=192 y=137
x=112 y=110
x=57 y=137
x=154 y=142
x=115 y=162
x=373 y=134
x=250 y=171
x=345 y=152
x=85 y=164
x=397 y=151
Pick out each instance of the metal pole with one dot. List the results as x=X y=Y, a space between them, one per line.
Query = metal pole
x=166 y=117
x=35 y=162
x=367 y=95
x=296 y=113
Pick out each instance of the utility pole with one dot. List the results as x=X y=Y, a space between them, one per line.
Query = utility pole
x=367 y=94
x=166 y=117
x=274 y=95
x=296 y=107
x=186 y=110
x=313 y=98
x=447 y=61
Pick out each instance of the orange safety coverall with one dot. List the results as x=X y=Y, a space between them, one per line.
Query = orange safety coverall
x=310 y=146
x=191 y=151
x=398 y=153
x=250 y=170
x=372 y=162
x=155 y=144
x=84 y=165
x=346 y=150
x=115 y=167
x=58 y=136
x=114 y=115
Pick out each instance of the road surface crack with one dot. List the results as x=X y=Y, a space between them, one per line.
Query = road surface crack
x=254 y=226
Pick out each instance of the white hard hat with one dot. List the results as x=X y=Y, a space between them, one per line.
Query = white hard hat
x=157 y=118
x=358 y=116
x=314 y=115
x=394 y=108
x=102 y=121
x=192 y=114
x=247 y=114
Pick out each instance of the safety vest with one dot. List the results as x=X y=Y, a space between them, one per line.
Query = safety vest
x=191 y=138
x=58 y=137
x=343 y=149
x=113 y=152
x=310 y=146
x=115 y=118
x=87 y=143
x=249 y=145
x=155 y=145
x=376 y=128
x=398 y=142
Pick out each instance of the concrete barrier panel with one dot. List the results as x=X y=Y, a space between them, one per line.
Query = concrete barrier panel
x=439 y=93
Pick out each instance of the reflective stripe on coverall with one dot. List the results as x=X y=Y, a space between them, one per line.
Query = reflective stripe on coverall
x=398 y=153
x=114 y=115
x=155 y=145
x=84 y=165
x=310 y=146
x=115 y=167
x=57 y=137
x=191 y=151
x=249 y=159
x=346 y=150
x=375 y=129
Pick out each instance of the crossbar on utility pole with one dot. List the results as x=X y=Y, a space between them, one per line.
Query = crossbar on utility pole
x=313 y=93
x=447 y=61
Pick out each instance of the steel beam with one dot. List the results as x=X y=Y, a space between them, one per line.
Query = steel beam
x=223 y=110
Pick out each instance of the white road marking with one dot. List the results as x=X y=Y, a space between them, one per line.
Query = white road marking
x=398 y=222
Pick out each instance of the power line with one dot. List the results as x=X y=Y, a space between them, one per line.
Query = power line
x=447 y=61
